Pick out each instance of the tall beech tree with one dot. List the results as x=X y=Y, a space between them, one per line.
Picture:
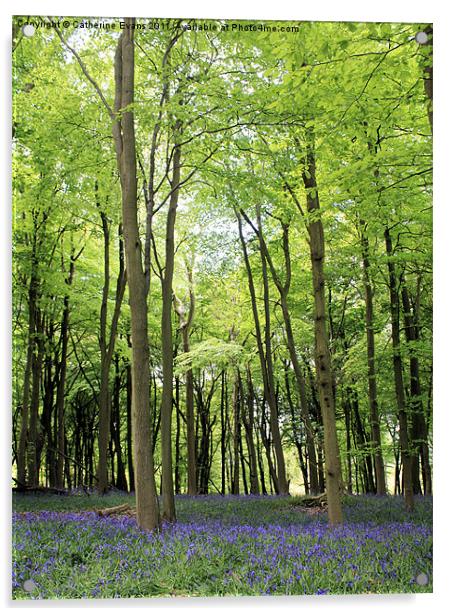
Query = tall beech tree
x=322 y=352
x=186 y=317
x=124 y=138
x=166 y=336
x=370 y=346
x=406 y=455
x=284 y=287
x=125 y=146
x=265 y=356
x=107 y=344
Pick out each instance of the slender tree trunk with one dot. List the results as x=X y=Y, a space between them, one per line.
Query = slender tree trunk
x=121 y=480
x=322 y=353
x=104 y=402
x=283 y=289
x=429 y=73
x=168 y=511
x=398 y=376
x=185 y=327
x=131 y=473
x=310 y=438
x=362 y=441
x=23 y=436
x=376 y=443
x=249 y=429
x=33 y=451
x=243 y=461
x=107 y=345
x=267 y=445
x=419 y=426
x=61 y=387
x=236 y=428
x=223 y=431
x=265 y=357
x=48 y=409
x=124 y=137
x=347 y=410
x=273 y=414
x=296 y=431
x=177 y=436
x=261 y=468
x=319 y=421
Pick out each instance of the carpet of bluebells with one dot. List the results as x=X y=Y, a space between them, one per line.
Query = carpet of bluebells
x=233 y=545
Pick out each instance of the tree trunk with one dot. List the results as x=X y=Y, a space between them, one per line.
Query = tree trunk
x=419 y=426
x=24 y=416
x=362 y=442
x=376 y=443
x=429 y=73
x=60 y=391
x=185 y=323
x=107 y=346
x=273 y=414
x=347 y=410
x=121 y=480
x=223 y=430
x=168 y=512
x=249 y=430
x=33 y=450
x=236 y=429
x=124 y=137
x=398 y=375
x=283 y=289
x=322 y=353
x=266 y=440
x=265 y=357
x=296 y=430
x=131 y=472
x=48 y=408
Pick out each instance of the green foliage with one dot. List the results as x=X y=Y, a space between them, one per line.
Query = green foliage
x=246 y=103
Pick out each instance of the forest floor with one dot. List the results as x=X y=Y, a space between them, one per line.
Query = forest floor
x=233 y=545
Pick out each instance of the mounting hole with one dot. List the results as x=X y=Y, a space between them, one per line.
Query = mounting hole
x=422 y=579
x=421 y=38
x=29 y=586
x=28 y=30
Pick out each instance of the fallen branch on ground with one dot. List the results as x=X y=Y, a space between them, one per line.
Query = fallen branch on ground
x=124 y=509
x=310 y=500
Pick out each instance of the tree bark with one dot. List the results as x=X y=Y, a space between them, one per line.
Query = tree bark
x=124 y=137
x=107 y=346
x=168 y=511
x=60 y=390
x=322 y=352
x=224 y=408
x=419 y=425
x=131 y=472
x=236 y=436
x=185 y=323
x=398 y=375
x=376 y=443
x=25 y=410
x=428 y=80
x=273 y=414
x=121 y=480
x=284 y=288
x=265 y=356
x=249 y=429
x=33 y=451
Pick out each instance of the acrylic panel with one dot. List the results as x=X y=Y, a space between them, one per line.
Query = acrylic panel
x=222 y=308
